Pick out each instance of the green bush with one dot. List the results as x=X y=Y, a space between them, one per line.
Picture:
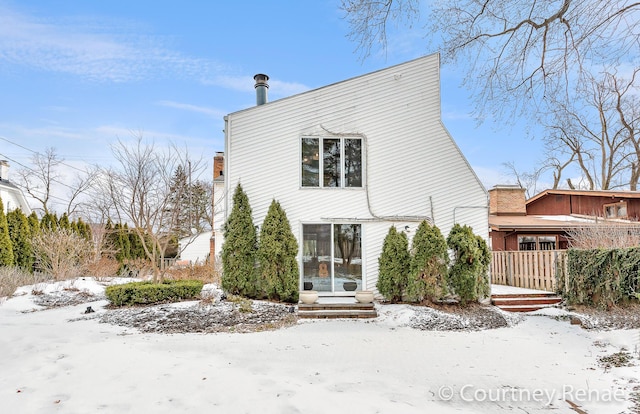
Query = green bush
x=277 y=253
x=468 y=276
x=147 y=293
x=393 y=265
x=239 y=251
x=429 y=264
x=6 y=249
x=602 y=277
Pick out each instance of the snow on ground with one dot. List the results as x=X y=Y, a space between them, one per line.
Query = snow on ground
x=61 y=359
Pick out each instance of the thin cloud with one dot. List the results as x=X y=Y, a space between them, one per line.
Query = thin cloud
x=92 y=50
x=246 y=84
x=214 y=113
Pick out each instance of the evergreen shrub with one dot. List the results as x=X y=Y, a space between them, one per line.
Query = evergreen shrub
x=147 y=292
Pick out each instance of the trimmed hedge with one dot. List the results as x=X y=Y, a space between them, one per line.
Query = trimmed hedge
x=602 y=277
x=147 y=293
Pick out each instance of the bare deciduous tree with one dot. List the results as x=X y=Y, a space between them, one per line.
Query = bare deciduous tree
x=596 y=131
x=516 y=52
x=37 y=181
x=40 y=181
x=62 y=253
x=139 y=192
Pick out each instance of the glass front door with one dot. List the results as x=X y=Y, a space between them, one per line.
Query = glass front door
x=332 y=257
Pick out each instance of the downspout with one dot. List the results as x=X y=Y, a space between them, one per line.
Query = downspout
x=227 y=161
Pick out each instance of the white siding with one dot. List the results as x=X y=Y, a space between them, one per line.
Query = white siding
x=13 y=198
x=195 y=249
x=414 y=168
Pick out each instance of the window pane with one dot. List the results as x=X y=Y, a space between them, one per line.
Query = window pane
x=622 y=210
x=310 y=163
x=353 y=162
x=331 y=157
x=347 y=259
x=316 y=257
x=610 y=211
x=547 y=242
x=526 y=243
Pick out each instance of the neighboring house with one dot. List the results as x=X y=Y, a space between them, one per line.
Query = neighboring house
x=195 y=249
x=544 y=221
x=346 y=162
x=12 y=197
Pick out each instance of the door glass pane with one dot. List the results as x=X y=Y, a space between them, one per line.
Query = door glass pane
x=347 y=260
x=310 y=162
x=316 y=257
x=331 y=158
x=353 y=162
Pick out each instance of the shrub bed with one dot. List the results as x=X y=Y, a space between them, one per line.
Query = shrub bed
x=147 y=293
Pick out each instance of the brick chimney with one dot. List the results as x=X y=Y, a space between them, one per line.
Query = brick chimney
x=218 y=165
x=507 y=200
x=4 y=170
x=218 y=180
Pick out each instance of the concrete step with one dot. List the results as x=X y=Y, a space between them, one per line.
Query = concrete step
x=528 y=302
x=337 y=310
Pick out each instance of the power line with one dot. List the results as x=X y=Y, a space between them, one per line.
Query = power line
x=56 y=181
x=36 y=152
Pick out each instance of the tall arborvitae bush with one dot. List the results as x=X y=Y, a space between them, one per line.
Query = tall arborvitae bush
x=34 y=224
x=240 y=248
x=20 y=236
x=6 y=249
x=393 y=265
x=429 y=265
x=277 y=253
x=468 y=276
x=49 y=222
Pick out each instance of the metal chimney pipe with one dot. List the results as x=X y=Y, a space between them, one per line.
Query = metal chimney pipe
x=261 y=88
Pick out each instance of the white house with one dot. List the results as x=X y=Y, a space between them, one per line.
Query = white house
x=195 y=249
x=349 y=160
x=12 y=197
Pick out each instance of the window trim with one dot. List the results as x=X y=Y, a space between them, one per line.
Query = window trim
x=343 y=172
x=616 y=206
x=537 y=242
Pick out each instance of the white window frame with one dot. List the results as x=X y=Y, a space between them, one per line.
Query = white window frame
x=342 y=162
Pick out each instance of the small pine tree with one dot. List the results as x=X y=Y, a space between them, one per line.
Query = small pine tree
x=20 y=235
x=84 y=229
x=468 y=274
x=49 y=222
x=64 y=223
x=6 y=249
x=34 y=224
x=277 y=253
x=239 y=249
x=429 y=264
x=393 y=265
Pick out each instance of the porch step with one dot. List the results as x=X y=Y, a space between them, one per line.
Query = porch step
x=524 y=302
x=337 y=310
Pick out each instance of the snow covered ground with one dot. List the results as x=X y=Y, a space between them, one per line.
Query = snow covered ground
x=61 y=359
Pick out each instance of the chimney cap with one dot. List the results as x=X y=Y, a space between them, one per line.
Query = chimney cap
x=261 y=80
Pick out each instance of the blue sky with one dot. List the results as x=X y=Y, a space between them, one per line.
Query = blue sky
x=78 y=75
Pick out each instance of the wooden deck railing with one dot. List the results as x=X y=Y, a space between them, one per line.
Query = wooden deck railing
x=535 y=269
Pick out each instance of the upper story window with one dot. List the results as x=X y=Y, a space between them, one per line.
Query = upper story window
x=331 y=162
x=616 y=210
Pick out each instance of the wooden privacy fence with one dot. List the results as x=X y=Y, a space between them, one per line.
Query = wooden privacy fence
x=532 y=269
